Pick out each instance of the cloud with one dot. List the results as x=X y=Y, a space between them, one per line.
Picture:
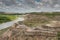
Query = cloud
x=29 y=4
x=57 y=5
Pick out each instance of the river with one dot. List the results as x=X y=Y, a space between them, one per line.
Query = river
x=8 y=24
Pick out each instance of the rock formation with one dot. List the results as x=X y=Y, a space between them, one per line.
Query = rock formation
x=22 y=32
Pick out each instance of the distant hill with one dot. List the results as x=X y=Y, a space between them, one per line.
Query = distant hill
x=11 y=13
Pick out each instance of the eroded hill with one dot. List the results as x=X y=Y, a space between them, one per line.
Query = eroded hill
x=40 y=18
x=34 y=27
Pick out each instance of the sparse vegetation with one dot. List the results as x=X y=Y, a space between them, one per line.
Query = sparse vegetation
x=3 y=30
x=58 y=35
x=35 y=19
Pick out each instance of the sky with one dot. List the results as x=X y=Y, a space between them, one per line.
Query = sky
x=23 y=6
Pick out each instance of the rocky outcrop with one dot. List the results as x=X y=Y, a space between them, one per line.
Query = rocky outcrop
x=22 y=32
x=40 y=18
x=40 y=31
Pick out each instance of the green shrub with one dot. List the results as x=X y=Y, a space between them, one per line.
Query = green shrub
x=6 y=18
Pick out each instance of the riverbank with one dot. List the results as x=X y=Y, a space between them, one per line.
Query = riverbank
x=8 y=24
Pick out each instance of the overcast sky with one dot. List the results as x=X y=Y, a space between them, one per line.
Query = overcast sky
x=29 y=5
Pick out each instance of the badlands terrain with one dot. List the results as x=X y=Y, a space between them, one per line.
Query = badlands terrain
x=35 y=26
